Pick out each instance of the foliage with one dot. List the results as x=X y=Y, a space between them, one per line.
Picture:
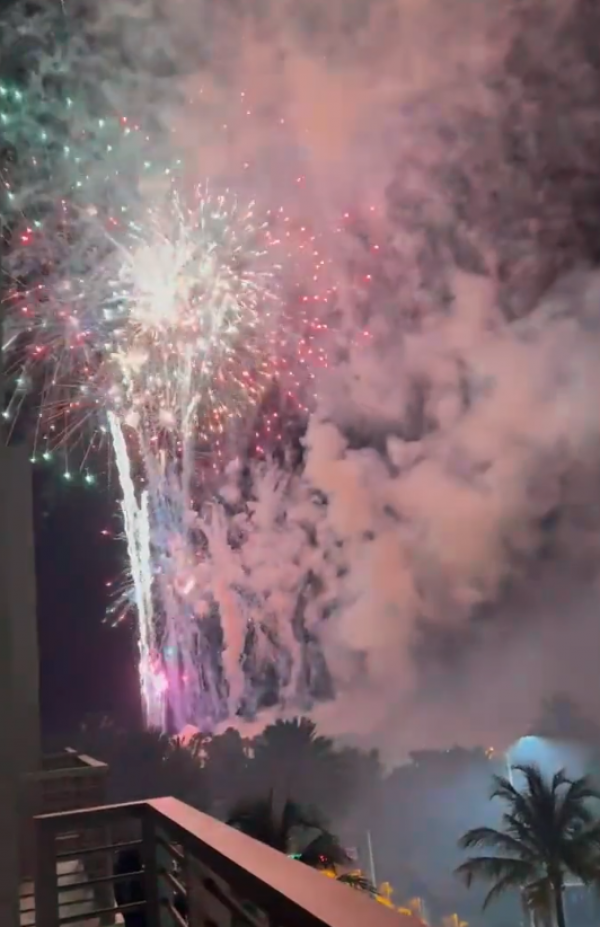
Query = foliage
x=354 y=879
x=304 y=765
x=290 y=828
x=358 y=882
x=214 y=772
x=413 y=813
x=144 y=764
x=225 y=763
x=548 y=832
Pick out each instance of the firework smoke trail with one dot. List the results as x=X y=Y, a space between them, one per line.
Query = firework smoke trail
x=137 y=532
x=192 y=688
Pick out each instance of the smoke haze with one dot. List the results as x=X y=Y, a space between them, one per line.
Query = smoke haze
x=446 y=511
x=458 y=445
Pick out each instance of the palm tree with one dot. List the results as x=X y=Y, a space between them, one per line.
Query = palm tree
x=549 y=831
x=225 y=766
x=304 y=764
x=291 y=829
x=144 y=763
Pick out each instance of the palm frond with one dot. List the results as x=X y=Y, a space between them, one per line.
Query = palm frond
x=256 y=818
x=502 y=885
x=491 y=838
x=323 y=851
x=295 y=815
x=587 y=838
x=581 y=854
x=517 y=801
x=359 y=882
x=574 y=809
x=537 y=784
x=503 y=788
x=523 y=832
x=503 y=871
x=290 y=828
x=559 y=779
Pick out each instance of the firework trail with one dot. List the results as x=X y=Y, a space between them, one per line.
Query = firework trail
x=137 y=530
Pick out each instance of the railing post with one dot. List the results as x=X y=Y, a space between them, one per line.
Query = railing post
x=149 y=854
x=205 y=906
x=102 y=867
x=195 y=891
x=164 y=863
x=46 y=880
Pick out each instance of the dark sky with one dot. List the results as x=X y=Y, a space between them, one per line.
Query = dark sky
x=86 y=665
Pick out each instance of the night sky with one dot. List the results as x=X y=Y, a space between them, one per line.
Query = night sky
x=87 y=667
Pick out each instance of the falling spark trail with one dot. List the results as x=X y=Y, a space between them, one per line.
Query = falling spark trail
x=137 y=533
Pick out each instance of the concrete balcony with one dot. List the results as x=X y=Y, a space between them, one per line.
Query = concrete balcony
x=225 y=878
x=66 y=781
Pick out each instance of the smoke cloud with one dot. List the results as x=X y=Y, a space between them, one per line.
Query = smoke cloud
x=456 y=439
x=457 y=443
x=430 y=571
x=445 y=529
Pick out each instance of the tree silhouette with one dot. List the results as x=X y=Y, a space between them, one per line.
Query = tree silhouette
x=290 y=828
x=359 y=882
x=145 y=764
x=225 y=763
x=302 y=763
x=549 y=832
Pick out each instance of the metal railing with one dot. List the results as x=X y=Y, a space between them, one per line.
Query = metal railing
x=66 y=781
x=194 y=871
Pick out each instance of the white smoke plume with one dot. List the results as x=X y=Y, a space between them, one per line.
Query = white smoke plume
x=439 y=548
x=436 y=553
x=438 y=525
x=457 y=448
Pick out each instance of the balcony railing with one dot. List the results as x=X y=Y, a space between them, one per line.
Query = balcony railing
x=66 y=781
x=223 y=877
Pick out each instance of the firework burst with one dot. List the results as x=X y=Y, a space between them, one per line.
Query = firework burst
x=179 y=329
x=191 y=309
x=166 y=320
